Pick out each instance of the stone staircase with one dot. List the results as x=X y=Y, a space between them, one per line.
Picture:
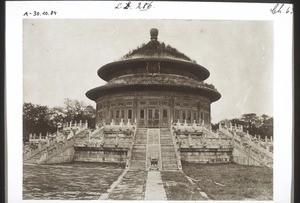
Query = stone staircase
x=55 y=149
x=138 y=154
x=168 y=155
x=247 y=150
x=141 y=136
x=35 y=158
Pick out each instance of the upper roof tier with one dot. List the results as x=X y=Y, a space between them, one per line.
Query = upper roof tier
x=166 y=57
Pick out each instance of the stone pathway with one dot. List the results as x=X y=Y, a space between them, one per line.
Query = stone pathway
x=154 y=187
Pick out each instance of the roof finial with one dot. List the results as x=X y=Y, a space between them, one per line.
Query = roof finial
x=154 y=33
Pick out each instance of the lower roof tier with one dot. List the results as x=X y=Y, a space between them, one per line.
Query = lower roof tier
x=155 y=82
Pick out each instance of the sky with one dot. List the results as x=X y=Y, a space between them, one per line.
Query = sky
x=61 y=58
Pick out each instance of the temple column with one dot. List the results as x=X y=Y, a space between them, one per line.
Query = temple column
x=171 y=111
x=135 y=110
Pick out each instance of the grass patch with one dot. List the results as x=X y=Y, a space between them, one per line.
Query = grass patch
x=68 y=181
x=178 y=187
x=232 y=181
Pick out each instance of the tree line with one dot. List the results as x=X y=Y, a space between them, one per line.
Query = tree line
x=254 y=124
x=42 y=119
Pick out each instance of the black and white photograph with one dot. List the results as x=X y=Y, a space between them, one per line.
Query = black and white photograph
x=150 y=108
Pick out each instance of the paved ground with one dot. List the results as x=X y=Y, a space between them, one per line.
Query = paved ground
x=80 y=181
x=84 y=181
x=131 y=187
x=154 y=187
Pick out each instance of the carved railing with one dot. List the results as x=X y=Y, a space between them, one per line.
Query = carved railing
x=252 y=146
x=43 y=142
x=75 y=125
x=56 y=150
x=246 y=139
x=129 y=154
x=176 y=147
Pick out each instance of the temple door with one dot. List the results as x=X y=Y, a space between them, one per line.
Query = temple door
x=153 y=118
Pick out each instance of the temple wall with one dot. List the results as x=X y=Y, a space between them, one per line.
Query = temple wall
x=171 y=107
x=109 y=155
x=206 y=155
x=65 y=157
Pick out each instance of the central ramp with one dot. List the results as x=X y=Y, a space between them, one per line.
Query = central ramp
x=153 y=150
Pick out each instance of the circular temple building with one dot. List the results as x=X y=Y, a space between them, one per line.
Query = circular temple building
x=154 y=85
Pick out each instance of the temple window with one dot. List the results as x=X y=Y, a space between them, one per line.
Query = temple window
x=164 y=103
x=189 y=116
x=149 y=113
x=129 y=103
x=142 y=113
x=165 y=113
x=183 y=115
x=122 y=113
x=129 y=113
x=142 y=103
x=117 y=113
x=176 y=114
x=153 y=103
x=111 y=114
x=195 y=117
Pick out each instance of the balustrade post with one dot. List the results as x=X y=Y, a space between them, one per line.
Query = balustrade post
x=40 y=145
x=194 y=123
x=70 y=124
x=102 y=140
x=117 y=141
x=121 y=123
x=30 y=137
x=242 y=128
x=86 y=123
x=268 y=147
x=80 y=123
x=89 y=136
x=271 y=138
x=48 y=140
x=128 y=123
x=190 y=140
x=112 y=122
x=75 y=123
